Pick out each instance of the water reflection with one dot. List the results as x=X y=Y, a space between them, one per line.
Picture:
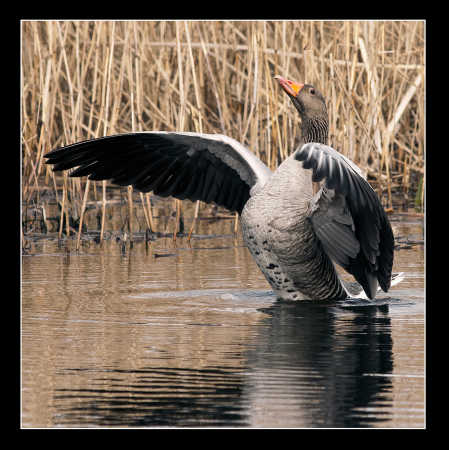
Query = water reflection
x=328 y=358
x=308 y=366
x=158 y=396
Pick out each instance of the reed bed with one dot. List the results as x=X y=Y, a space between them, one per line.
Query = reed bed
x=86 y=79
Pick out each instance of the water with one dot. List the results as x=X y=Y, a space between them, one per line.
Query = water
x=180 y=336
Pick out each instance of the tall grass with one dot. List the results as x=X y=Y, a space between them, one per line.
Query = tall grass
x=87 y=79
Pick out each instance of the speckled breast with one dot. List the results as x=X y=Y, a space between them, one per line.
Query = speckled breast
x=281 y=239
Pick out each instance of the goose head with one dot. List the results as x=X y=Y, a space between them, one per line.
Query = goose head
x=308 y=100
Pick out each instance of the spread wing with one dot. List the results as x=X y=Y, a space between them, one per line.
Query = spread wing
x=348 y=218
x=208 y=167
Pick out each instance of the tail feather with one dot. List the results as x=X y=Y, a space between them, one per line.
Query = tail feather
x=355 y=290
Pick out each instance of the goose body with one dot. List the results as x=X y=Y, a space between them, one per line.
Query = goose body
x=281 y=239
x=295 y=228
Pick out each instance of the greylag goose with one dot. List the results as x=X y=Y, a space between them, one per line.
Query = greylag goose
x=295 y=227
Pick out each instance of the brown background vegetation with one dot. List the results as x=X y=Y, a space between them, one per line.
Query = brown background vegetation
x=87 y=79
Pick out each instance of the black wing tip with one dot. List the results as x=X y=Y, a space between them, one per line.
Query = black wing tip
x=51 y=154
x=54 y=155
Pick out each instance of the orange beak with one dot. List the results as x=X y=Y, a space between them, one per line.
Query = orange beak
x=290 y=87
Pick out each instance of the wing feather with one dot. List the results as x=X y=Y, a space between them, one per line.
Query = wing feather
x=194 y=166
x=349 y=219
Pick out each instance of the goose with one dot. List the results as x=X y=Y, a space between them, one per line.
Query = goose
x=314 y=211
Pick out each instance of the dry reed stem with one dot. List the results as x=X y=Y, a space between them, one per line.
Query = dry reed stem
x=83 y=208
x=130 y=212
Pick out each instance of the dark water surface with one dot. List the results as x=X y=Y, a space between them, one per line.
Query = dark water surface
x=169 y=335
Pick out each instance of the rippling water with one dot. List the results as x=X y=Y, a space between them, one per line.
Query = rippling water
x=172 y=335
